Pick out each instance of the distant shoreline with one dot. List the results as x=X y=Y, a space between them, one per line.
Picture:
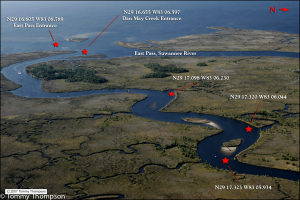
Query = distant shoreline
x=226 y=39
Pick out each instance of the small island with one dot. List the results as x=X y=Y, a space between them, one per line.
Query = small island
x=232 y=143
x=77 y=39
x=195 y=120
x=224 y=39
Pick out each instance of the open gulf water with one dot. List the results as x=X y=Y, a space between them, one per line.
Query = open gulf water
x=88 y=19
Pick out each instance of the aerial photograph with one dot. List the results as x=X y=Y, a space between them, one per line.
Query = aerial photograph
x=150 y=100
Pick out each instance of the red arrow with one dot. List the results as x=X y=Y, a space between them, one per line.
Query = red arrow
x=255 y=112
x=233 y=174
x=188 y=86
x=104 y=30
x=51 y=35
x=284 y=9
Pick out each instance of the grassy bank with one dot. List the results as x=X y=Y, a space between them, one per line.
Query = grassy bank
x=277 y=147
x=84 y=154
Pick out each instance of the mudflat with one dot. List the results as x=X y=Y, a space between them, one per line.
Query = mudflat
x=196 y=120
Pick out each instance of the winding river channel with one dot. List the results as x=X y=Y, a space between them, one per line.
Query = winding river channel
x=209 y=149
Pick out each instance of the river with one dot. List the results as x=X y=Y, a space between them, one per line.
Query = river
x=209 y=149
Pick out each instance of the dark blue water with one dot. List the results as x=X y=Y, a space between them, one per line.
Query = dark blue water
x=88 y=19
x=31 y=87
x=209 y=149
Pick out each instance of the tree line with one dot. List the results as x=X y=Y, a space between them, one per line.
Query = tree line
x=160 y=71
x=47 y=72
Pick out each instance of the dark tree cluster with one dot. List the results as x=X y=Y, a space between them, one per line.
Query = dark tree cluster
x=156 y=75
x=188 y=152
x=169 y=68
x=269 y=114
x=188 y=139
x=290 y=157
x=201 y=64
x=162 y=71
x=47 y=72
